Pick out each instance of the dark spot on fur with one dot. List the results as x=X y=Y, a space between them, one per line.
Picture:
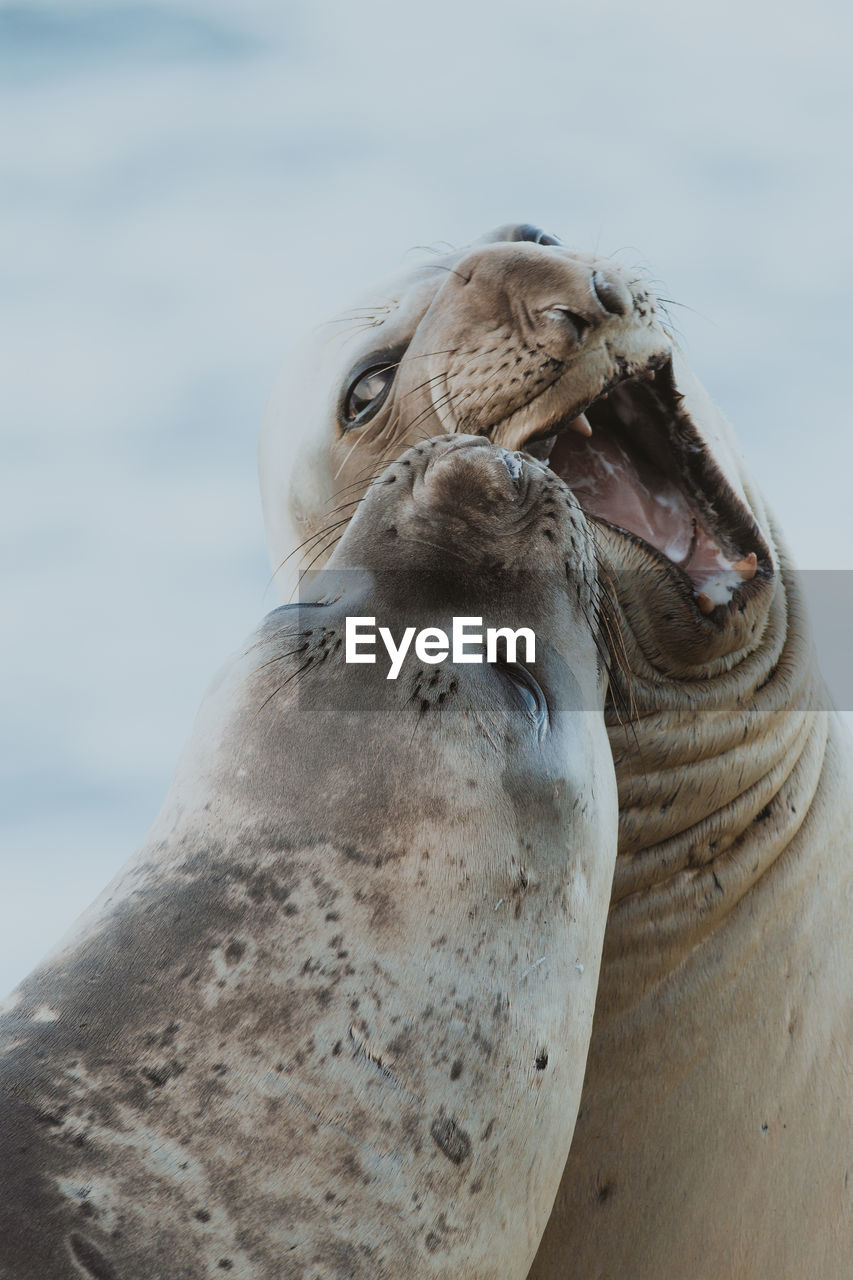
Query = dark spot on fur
x=541 y=1059
x=432 y=1242
x=225 y=1264
x=235 y=951
x=400 y=1045
x=202 y=1215
x=456 y=1069
x=763 y=814
x=603 y=1191
x=450 y=1139
x=158 y=1076
x=482 y=1042
x=91 y=1259
x=53 y=1118
x=261 y=884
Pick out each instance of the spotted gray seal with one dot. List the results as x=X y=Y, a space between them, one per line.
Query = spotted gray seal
x=714 y=1134
x=331 y=1019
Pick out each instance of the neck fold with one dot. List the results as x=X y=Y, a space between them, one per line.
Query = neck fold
x=716 y=776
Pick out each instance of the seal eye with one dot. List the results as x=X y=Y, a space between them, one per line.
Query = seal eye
x=366 y=394
x=527 y=690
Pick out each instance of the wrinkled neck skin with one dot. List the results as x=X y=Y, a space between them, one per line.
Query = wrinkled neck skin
x=716 y=771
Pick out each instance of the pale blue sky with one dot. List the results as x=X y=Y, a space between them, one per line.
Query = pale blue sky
x=186 y=186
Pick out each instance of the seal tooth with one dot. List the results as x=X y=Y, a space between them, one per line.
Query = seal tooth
x=581 y=425
x=705 y=603
x=747 y=566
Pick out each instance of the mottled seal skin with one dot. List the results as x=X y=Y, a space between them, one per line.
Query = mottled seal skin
x=715 y=1134
x=331 y=1020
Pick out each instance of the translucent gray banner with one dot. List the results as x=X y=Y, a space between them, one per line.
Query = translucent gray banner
x=410 y=611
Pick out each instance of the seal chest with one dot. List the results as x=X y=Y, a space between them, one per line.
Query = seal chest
x=332 y=1018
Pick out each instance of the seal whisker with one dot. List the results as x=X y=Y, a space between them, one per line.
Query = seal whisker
x=345 y=506
x=365 y=477
x=310 y=542
x=439 y=246
x=448 y=400
x=327 y=547
x=436 y=377
x=358 y=327
x=440 y=266
x=348 y=455
x=445 y=550
x=294 y=675
x=281 y=656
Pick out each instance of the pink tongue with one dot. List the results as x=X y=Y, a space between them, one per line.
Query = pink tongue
x=631 y=494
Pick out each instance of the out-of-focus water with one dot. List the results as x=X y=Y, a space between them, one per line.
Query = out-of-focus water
x=187 y=186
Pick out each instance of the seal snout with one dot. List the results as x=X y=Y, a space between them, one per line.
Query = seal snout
x=472 y=474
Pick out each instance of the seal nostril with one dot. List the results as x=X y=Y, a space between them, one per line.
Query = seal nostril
x=570 y=318
x=513 y=463
x=612 y=296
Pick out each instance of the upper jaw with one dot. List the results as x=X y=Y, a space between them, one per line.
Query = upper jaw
x=623 y=351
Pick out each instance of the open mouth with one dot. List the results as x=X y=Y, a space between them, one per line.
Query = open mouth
x=634 y=460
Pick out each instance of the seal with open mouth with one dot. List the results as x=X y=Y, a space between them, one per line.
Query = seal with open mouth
x=714 y=1135
x=332 y=1019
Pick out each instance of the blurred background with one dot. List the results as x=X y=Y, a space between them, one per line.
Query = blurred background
x=187 y=186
